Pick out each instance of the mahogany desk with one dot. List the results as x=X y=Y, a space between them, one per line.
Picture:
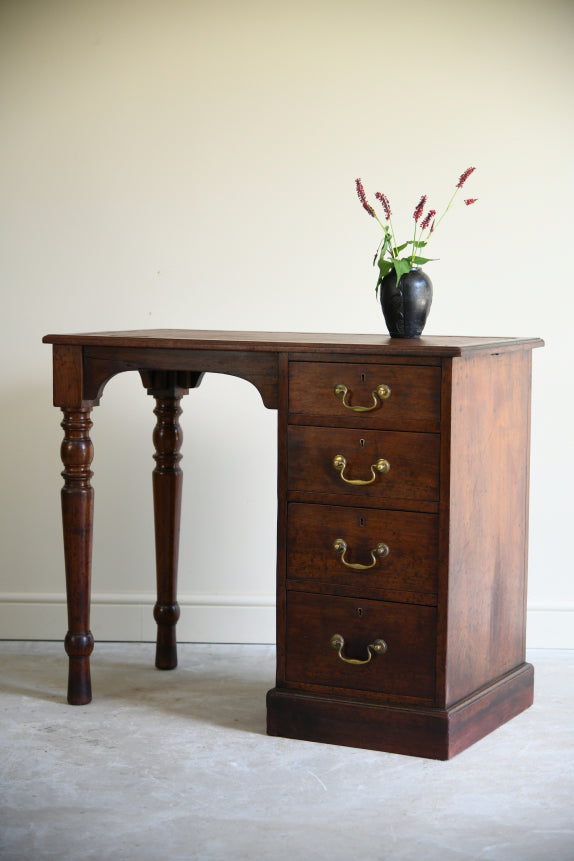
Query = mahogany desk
x=402 y=522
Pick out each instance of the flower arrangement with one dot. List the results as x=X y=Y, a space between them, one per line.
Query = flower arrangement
x=389 y=255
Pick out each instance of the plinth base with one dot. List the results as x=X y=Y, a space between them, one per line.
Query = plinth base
x=429 y=733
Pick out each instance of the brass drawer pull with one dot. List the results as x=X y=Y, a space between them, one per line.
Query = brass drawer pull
x=378 y=647
x=378 y=552
x=381 y=393
x=340 y=462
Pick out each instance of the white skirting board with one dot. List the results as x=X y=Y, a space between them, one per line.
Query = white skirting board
x=211 y=619
x=129 y=618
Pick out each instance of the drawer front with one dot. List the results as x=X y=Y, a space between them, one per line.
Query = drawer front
x=412 y=459
x=406 y=668
x=411 y=394
x=397 y=549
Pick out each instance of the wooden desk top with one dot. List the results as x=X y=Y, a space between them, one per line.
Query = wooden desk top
x=300 y=342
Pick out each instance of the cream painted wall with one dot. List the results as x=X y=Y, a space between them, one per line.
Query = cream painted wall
x=191 y=164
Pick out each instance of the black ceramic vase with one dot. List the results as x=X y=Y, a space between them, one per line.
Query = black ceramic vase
x=406 y=306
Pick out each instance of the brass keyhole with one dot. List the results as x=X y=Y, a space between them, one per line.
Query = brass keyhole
x=359 y=611
x=362 y=378
x=362 y=443
x=361 y=521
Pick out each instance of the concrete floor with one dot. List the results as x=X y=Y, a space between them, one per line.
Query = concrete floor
x=176 y=765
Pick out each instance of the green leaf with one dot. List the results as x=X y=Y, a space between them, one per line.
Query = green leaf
x=385 y=266
x=401 y=268
x=402 y=247
x=420 y=260
x=382 y=248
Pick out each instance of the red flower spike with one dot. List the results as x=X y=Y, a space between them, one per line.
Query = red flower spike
x=385 y=203
x=430 y=215
x=419 y=207
x=363 y=198
x=471 y=200
x=464 y=176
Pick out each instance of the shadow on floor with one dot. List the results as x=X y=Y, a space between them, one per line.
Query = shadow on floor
x=230 y=694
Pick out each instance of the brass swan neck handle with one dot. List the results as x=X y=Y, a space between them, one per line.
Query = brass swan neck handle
x=382 y=466
x=377 y=647
x=381 y=393
x=378 y=552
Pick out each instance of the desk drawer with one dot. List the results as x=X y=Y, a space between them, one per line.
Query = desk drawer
x=410 y=538
x=408 y=631
x=412 y=460
x=411 y=394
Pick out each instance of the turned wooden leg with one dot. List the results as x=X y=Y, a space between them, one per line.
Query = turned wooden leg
x=167 y=485
x=77 y=518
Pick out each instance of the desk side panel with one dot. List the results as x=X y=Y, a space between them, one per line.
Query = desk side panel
x=489 y=469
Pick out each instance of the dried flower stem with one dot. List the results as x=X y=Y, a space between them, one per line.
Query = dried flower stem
x=464 y=176
x=417 y=215
x=363 y=198
x=462 y=179
x=386 y=206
